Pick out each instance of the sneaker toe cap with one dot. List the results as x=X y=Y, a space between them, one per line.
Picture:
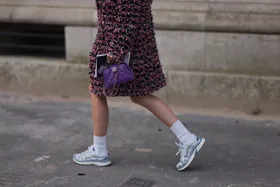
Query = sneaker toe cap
x=179 y=165
x=75 y=156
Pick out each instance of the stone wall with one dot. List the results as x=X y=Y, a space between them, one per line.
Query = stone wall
x=215 y=53
x=258 y=16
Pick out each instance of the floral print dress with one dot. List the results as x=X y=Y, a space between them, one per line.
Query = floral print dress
x=127 y=26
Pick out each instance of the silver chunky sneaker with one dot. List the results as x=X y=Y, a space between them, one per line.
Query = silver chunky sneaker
x=89 y=157
x=188 y=152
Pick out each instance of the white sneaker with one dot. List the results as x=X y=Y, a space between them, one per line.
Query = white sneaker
x=89 y=157
x=188 y=152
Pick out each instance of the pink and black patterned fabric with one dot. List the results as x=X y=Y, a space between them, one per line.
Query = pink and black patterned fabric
x=127 y=26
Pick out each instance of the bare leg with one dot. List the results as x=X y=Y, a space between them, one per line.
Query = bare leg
x=97 y=153
x=100 y=114
x=159 y=108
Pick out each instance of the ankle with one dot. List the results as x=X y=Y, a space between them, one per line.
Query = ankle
x=187 y=139
x=182 y=133
x=100 y=145
x=100 y=151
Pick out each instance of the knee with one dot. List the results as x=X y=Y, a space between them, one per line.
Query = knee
x=135 y=99
x=95 y=97
x=140 y=99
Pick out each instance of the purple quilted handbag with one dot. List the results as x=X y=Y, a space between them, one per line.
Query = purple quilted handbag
x=117 y=74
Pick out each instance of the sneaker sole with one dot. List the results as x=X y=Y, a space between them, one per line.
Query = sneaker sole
x=194 y=154
x=91 y=163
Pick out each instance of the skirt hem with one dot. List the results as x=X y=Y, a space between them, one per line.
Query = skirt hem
x=133 y=94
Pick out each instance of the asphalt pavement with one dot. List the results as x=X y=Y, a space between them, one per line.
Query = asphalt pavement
x=38 y=139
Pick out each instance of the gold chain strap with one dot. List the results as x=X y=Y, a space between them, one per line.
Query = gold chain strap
x=112 y=93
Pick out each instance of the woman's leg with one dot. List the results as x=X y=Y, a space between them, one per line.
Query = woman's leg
x=159 y=108
x=97 y=154
x=189 y=143
x=163 y=112
x=100 y=121
x=100 y=115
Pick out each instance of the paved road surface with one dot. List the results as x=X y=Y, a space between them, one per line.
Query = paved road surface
x=38 y=139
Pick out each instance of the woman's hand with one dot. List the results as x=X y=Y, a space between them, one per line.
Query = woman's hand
x=111 y=58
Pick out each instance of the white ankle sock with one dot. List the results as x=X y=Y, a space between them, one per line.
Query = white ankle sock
x=182 y=133
x=100 y=145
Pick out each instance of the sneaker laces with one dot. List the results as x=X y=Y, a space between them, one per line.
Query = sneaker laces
x=90 y=149
x=180 y=147
x=183 y=150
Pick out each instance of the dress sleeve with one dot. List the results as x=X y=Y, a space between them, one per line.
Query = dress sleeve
x=122 y=31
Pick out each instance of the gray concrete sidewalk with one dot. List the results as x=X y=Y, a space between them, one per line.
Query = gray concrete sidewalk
x=38 y=139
